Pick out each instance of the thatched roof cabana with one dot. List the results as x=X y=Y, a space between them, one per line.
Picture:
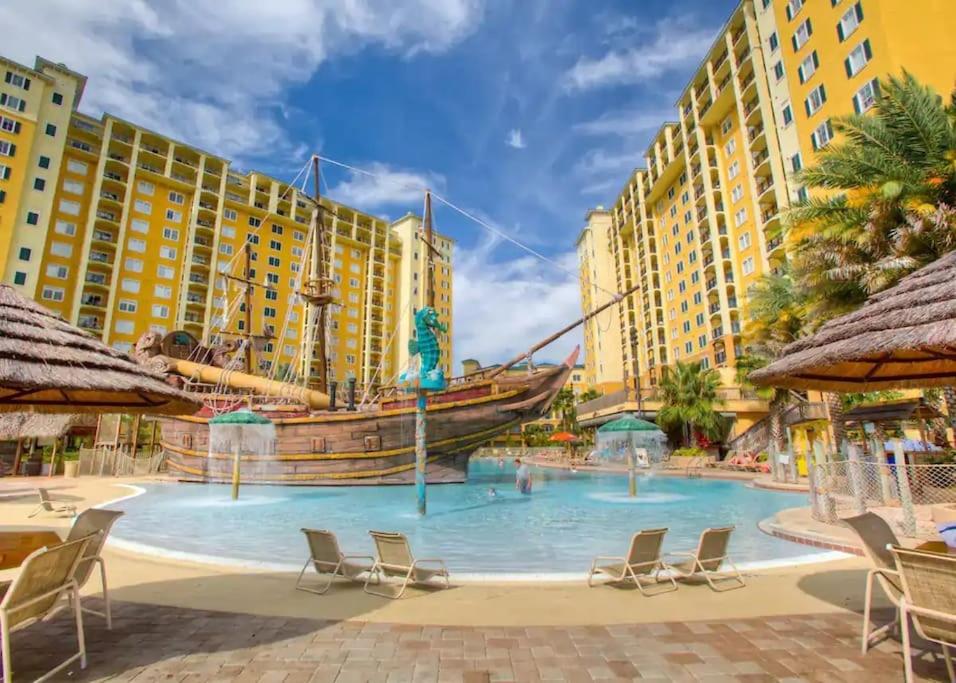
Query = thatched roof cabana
x=50 y=366
x=902 y=337
x=15 y=426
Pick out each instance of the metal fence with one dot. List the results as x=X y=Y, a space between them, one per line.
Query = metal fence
x=111 y=462
x=903 y=494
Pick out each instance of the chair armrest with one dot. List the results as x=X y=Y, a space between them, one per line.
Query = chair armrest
x=358 y=557
x=684 y=553
x=431 y=560
x=610 y=557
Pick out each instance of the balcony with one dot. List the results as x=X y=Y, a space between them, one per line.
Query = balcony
x=711 y=283
x=235 y=197
x=94 y=300
x=200 y=260
x=760 y=158
x=769 y=215
x=194 y=298
x=207 y=205
x=735 y=327
x=122 y=138
x=181 y=178
x=702 y=214
x=88 y=322
x=714 y=308
x=114 y=176
x=118 y=157
x=717 y=333
x=149 y=169
x=197 y=279
x=103 y=236
x=764 y=184
x=192 y=318
x=708 y=260
x=153 y=150
x=754 y=132
x=204 y=223
x=111 y=196
x=201 y=242
x=732 y=302
x=82 y=146
x=106 y=215
x=186 y=162
x=774 y=244
x=99 y=257
x=96 y=279
x=747 y=82
x=725 y=253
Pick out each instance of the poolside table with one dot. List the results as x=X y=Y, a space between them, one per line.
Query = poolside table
x=15 y=546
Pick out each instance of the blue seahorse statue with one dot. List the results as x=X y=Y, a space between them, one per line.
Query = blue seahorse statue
x=426 y=347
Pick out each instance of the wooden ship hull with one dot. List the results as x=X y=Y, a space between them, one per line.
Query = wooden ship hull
x=373 y=445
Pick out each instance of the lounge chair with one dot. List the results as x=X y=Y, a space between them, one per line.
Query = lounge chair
x=96 y=524
x=929 y=601
x=707 y=560
x=328 y=560
x=46 y=505
x=395 y=559
x=642 y=562
x=44 y=577
x=876 y=536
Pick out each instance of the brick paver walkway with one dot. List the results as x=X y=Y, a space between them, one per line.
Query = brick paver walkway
x=150 y=643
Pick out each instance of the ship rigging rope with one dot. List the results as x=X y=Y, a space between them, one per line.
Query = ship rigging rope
x=466 y=214
x=384 y=355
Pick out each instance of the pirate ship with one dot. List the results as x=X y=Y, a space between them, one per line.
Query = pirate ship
x=324 y=436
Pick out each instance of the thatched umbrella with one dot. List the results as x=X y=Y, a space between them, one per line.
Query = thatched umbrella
x=904 y=337
x=50 y=366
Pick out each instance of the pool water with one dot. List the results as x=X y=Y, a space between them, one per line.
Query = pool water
x=567 y=519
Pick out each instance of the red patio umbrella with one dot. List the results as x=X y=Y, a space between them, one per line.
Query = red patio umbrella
x=563 y=437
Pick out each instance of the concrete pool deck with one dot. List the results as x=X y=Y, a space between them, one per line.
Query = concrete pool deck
x=181 y=621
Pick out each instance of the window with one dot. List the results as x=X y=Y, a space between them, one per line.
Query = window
x=4 y=172
x=177 y=198
x=73 y=186
x=793 y=7
x=808 y=66
x=136 y=244
x=268 y=311
x=165 y=272
x=774 y=42
x=134 y=265
x=33 y=218
x=272 y=278
x=254 y=222
x=275 y=244
x=160 y=311
x=748 y=265
x=849 y=22
x=229 y=214
x=822 y=135
x=858 y=58
x=815 y=100
x=274 y=262
x=65 y=228
x=50 y=130
x=144 y=187
x=170 y=234
x=778 y=71
x=167 y=252
x=3 y=196
x=52 y=293
x=297 y=252
x=228 y=232
x=57 y=98
x=730 y=147
x=272 y=295
x=142 y=206
x=787 y=114
x=124 y=326
x=866 y=96
x=740 y=217
x=802 y=195
x=225 y=249
x=298 y=236
x=699 y=318
x=673 y=211
x=19 y=278
x=139 y=225
x=727 y=125
x=796 y=162
x=39 y=184
x=734 y=170
x=7 y=149
x=9 y=125
x=277 y=229
x=163 y=292
x=802 y=34
x=127 y=305
x=174 y=216
x=743 y=242
x=57 y=272
x=254 y=239
x=61 y=249
x=17 y=80
x=77 y=167
x=11 y=102
x=129 y=285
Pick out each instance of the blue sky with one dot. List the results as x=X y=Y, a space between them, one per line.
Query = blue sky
x=524 y=112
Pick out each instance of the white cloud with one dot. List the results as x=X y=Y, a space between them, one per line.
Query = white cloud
x=675 y=44
x=511 y=304
x=599 y=163
x=515 y=139
x=215 y=73
x=383 y=185
x=626 y=123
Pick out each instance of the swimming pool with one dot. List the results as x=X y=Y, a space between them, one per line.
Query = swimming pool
x=567 y=520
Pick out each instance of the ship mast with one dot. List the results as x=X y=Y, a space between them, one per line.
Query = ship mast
x=246 y=332
x=430 y=250
x=317 y=290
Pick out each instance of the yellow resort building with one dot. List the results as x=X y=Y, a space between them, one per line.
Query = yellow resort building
x=122 y=230
x=700 y=219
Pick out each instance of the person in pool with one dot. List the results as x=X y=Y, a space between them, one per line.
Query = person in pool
x=492 y=492
x=522 y=477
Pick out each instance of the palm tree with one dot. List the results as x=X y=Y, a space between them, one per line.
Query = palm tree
x=886 y=200
x=690 y=400
x=776 y=318
x=564 y=407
